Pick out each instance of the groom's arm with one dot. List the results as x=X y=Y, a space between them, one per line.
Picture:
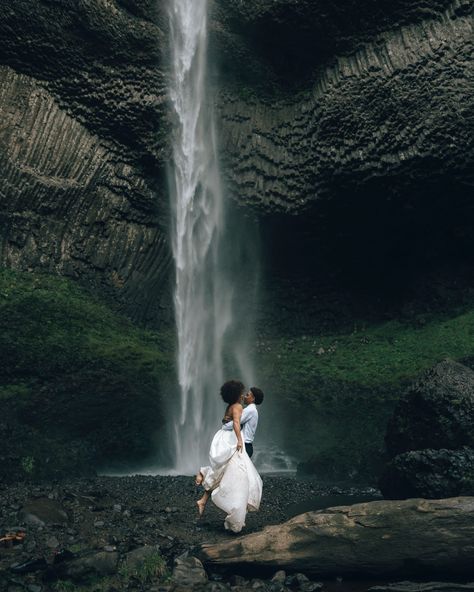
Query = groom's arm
x=245 y=416
x=246 y=413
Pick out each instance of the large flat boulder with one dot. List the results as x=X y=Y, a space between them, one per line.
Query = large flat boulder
x=409 y=537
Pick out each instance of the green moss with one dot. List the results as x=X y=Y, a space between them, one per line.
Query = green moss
x=50 y=325
x=151 y=568
x=384 y=354
x=340 y=390
x=14 y=391
x=73 y=369
x=28 y=464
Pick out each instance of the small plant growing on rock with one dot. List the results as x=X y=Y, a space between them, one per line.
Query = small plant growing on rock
x=28 y=464
x=152 y=567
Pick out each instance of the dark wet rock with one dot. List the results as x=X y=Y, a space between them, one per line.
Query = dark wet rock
x=257 y=584
x=279 y=576
x=277 y=587
x=52 y=542
x=29 y=566
x=216 y=587
x=312 y=587
x=300 y=581
x=423 y=587
x=285 y=148
x=429 y=473
x=382 y=537
x=43 y=511
x=65 y=68
x=134 y=559
x=97 y=564
x=430 y=438
x=189 y=571
x=236 y=580
x=62 y=555
x=436 y=412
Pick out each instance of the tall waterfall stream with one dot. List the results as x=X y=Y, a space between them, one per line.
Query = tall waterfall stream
x=206 y=297
x=202 y=298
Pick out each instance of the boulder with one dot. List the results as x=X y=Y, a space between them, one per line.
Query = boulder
x=188 y=571
x=93 y=565
x=429 y=474
x=134 y=560
x=436 y=412
x=376 y=538
x=43 y=511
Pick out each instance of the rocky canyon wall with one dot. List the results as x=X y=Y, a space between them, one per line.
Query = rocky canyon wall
x=321 y=104
x=83 y=138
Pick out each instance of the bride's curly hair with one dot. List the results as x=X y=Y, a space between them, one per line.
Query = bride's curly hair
x=231 y=391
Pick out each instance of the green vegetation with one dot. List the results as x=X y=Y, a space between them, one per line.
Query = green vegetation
x=152 y=569
x=379 y=355
x=340 y=390
x=76 y=372
x=50 y=325
x=80 y=385
x=28 y=464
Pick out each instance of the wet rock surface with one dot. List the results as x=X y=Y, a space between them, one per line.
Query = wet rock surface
x=437 y=411
x=429 y=437
x=423 y=587
x=283 y=150
x=430 y=474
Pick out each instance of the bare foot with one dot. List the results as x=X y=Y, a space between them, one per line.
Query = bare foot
x=199 y=478
x=201 y=504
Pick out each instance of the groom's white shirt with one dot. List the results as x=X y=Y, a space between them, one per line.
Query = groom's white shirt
x=248 y=421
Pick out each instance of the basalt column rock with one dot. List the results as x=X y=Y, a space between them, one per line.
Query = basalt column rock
x=384 y=101
x=82 y=150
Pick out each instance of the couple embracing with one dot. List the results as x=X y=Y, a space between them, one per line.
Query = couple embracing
x=231 y=479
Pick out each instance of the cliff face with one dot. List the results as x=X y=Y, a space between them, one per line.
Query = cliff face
x=344 y=96
x=331 y=100
x=82 y=144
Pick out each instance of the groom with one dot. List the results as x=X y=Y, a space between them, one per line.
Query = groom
x=249 y=419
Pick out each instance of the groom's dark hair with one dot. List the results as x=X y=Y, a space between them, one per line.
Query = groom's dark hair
x=258 y=394
x=231 y=391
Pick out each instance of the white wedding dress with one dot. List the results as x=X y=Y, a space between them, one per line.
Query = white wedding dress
x=235 y=485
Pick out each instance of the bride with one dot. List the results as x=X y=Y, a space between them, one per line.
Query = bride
x=231 y=480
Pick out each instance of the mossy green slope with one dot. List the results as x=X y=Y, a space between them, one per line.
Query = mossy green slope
x=73 y=370
x=338 y=391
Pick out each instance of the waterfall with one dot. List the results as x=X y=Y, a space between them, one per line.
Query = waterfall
x=215 y=256
x=202 y=296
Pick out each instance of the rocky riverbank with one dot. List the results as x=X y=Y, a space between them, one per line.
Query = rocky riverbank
x=109 y=534
x=114 y=533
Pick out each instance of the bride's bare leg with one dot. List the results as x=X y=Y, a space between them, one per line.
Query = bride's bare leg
x=201 y=504
x=199 y=478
